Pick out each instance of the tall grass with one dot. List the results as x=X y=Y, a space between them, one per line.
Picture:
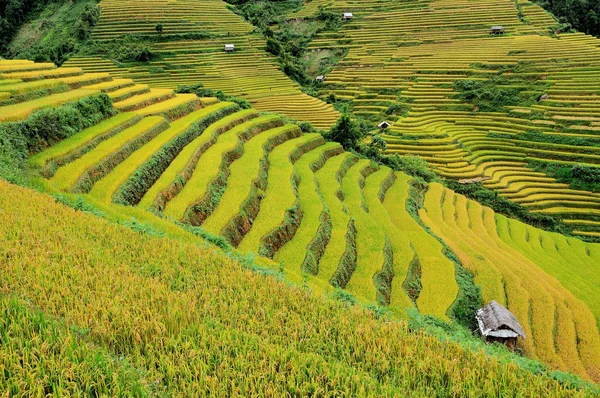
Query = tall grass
x=105 y=310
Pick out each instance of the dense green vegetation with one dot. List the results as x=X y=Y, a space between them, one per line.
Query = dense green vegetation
x=45 y=30
x=577 y=176
x=201 y=91
x=44 y=128
x=583 y=15
x=289 y=40
x=494 y=94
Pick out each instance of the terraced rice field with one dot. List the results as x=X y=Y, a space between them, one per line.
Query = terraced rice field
x=326 y=217
x=411 y=53
x=249 y=72
x=512 y=267
x=91 y=307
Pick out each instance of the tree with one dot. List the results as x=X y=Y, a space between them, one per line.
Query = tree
x=347 y=132
x=378 y=142
x=159 y=28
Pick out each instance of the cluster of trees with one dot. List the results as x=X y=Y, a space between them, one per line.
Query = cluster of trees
x=583 y=15
x=64 y=27
x=44 y=128
x=12 y=14
x=284 y=40
x=586 y=178
x=496 y=93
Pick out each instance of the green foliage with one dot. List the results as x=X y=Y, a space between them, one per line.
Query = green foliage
x=159 y=28
x=583 y=15
x=45 y=128
x=469 y=299
x=348 y=132
x=578 y=176
x=77 y=203
x=562 y=139
x=200 y=91
x=412 y=284
x=288 y=39
x=343 y=296
x=306 y=127
x=493 y=94
x=14 y=13
x=400 y=109
x=124 y=49
x=13 y=156
x=51 y=31
x=410 y=164
x=378 y=142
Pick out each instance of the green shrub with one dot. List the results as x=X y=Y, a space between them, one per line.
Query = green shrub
x=578 y=176
x=45 y=128
x=200 y=91
x=347 y=132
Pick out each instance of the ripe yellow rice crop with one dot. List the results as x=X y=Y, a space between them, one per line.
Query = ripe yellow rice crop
x=329 y=186
x=77 y=140
x=243 y=172
x=209 y=166
x=538 y=300
x=293 y=252
x=370 y=239
x=91 y=307
x=105 y=188
x=67 y=175
x=279 y=195
x=183 y=158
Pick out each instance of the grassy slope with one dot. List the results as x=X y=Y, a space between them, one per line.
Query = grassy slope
x=74 y=285
x=50 y=34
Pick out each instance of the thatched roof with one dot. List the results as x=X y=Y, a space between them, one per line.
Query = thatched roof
x=496 y=321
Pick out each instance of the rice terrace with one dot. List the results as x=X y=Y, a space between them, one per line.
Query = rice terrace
x=300 y=198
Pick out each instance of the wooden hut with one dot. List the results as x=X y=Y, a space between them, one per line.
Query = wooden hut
x=229 y=48
x=347 y=16
x=497 y=30
x=320 y=78
x=384 y=125
x=497 y=324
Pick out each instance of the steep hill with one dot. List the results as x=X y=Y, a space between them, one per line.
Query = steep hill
x=191 y=48
x=89 y=307
x=329 y=219
x=505 y=108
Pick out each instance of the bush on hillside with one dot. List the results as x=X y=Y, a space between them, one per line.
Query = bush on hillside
x=347 y=132
x=45 y=128
x=578 y=176
x=62 y=28
x=200 y=91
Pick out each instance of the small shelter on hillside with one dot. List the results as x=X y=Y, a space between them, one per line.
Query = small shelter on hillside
x=543 y=97
x=320 y=78
x=497 y=324
x=229 y=48
x=347 y=16
x=497 y=30
x=384 y=125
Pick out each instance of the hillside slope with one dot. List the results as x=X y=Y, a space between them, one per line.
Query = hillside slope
x=328 y=217
x=475 y=105
x=95 y=308
x=191 y=46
